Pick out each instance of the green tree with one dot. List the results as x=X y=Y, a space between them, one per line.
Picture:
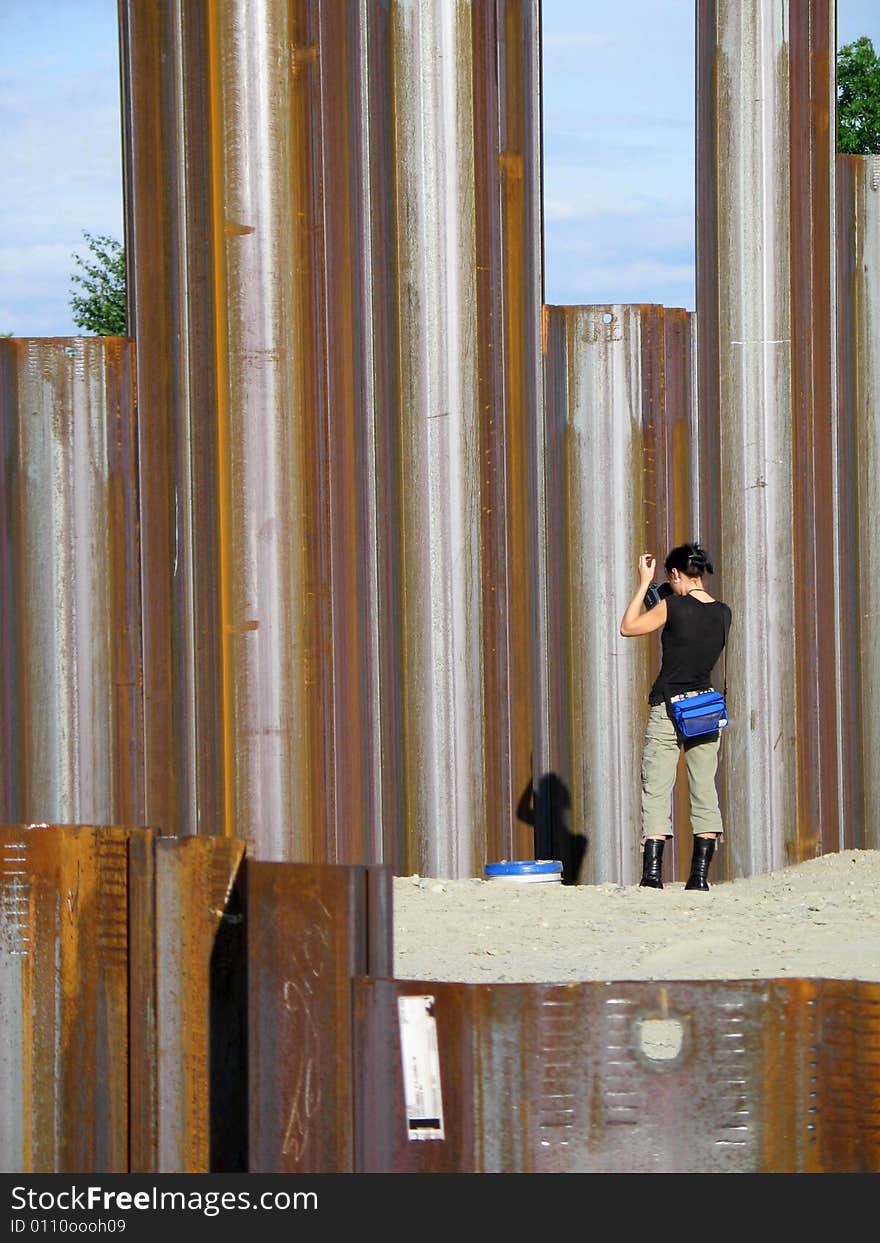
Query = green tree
x=98 y=304
x=858 y=98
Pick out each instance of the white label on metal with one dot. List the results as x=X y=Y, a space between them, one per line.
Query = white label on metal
x=421 y=1067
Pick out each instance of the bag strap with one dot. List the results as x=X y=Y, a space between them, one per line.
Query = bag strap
x=725 y=621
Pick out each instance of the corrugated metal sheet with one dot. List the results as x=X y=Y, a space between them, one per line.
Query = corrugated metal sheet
x=767 y=397
x=339 y=536
x=733 y=1076
x=858 y=254
x=64 y=998
x=619 y=417
x=71 y=715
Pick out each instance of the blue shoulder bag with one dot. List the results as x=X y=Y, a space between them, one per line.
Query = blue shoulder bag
x=698 y=713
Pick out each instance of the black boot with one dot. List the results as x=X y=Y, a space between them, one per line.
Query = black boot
x=652 y=864
x=704 y=849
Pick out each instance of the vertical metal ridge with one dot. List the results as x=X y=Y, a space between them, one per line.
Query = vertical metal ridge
x=811 y=50
x=858 y=277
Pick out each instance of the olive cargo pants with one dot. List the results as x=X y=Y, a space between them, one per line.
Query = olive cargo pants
x=659 y=765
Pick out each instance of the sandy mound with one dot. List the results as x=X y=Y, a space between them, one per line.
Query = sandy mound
x=817 y=919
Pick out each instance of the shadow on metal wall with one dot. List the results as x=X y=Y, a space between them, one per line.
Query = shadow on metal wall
x=545 y=806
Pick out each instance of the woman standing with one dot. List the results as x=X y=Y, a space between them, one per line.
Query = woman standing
x=695 y=627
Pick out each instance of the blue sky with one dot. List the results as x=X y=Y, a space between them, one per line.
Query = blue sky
x=618 y=149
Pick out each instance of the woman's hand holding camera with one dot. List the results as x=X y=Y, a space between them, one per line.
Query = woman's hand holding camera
x=647 y=564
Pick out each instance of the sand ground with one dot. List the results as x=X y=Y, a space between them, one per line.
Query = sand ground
x=819 y=919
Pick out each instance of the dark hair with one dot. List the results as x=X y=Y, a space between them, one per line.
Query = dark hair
x=689 y=559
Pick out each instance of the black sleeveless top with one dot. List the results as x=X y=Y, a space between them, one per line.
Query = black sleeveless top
x=692 y=639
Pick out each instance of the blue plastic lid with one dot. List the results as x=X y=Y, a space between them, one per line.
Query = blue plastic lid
x=524 y=867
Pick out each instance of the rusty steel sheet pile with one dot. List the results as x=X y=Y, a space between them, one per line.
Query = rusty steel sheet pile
x=858 y=276
x=65 y=994
x=619 y=397
x=771 y=507
x=339 y=472
x=734 y=1076
x=71 y=718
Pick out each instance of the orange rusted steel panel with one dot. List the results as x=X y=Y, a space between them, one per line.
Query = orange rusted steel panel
x=769 y=492
x=619 y=415
x=200 y=1006
x=71 y=714
x=64 y=998
x=739 y=1076
x=309 y=931
x=858 y=275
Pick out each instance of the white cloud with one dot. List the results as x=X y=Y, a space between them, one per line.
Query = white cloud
x=557 y=209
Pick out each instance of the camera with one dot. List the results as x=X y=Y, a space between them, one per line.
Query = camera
x=655 y=594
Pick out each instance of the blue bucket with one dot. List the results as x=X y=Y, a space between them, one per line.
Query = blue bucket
x=525 y=870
